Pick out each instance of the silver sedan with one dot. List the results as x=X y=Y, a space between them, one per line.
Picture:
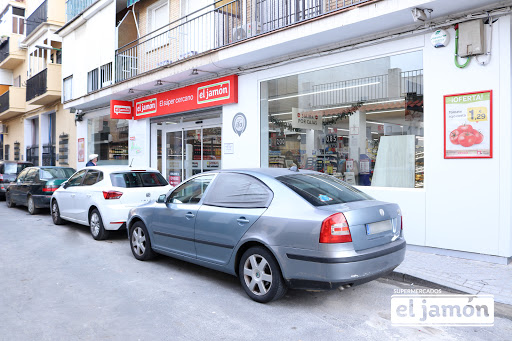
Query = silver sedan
x=274 y=229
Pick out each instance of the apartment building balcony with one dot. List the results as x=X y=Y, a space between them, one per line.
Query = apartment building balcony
x=45 y=87
x=75 y=7
x=12 y=103
x=216 y=26
x=50 y=11
x=11 y=56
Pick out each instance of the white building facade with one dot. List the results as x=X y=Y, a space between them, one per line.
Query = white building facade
x=355 y=91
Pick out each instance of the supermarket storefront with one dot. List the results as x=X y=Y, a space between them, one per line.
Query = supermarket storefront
x=181 y=129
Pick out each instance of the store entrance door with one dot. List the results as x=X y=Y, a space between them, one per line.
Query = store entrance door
x=189 y=148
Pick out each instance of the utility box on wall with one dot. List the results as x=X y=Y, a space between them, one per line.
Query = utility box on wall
x=471 y=38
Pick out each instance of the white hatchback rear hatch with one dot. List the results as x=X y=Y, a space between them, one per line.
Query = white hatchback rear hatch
x=137 y=187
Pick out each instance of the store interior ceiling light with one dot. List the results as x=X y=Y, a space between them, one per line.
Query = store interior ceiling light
x=323 y=91
x=341 y=107
x=383 y=111
x=283 y=113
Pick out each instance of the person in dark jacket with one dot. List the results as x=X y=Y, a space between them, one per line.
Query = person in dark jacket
x=93 y=158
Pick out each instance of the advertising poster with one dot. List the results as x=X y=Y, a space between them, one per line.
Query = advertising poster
x=174 y=178
x=81 y=150
x=468 y=125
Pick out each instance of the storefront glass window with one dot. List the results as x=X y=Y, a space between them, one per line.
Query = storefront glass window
x=109 y=139
x=362 y=122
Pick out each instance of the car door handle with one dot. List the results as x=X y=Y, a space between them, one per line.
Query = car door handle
x=72 y=195
x=189 y=215
x=242 y=220
x=88 y=195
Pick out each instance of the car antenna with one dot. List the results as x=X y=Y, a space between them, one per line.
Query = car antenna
x=131 y=162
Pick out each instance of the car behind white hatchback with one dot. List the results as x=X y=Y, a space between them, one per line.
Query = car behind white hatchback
x=102 y=196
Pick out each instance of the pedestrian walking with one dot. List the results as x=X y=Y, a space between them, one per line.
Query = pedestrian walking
x=93 y=159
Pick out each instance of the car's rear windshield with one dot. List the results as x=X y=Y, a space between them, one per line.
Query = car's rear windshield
x=322 y=190
x=56 y=173
x=14 y=168
x=137 y=179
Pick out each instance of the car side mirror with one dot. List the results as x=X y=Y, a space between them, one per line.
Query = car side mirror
x=64 y=184
x=161 y=199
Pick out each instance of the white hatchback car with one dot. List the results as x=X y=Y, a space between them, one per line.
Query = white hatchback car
x=102 y=196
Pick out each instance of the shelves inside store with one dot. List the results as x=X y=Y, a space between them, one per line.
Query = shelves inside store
x=419 y=167
x=276 y=161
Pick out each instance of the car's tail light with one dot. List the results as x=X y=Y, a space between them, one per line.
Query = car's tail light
x=335 y=229
x=1 y=177
x=112 y=194
x=50 y=188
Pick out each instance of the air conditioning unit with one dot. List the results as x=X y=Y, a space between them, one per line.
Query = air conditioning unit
x=253 y=28
x=239 y=33
x=3 y=129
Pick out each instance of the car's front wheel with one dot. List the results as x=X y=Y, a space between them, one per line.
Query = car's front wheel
x=260 y=275
x=8 y=200
x=98 y=231
x=140 y=243
x=57 y=220
x=32 y=206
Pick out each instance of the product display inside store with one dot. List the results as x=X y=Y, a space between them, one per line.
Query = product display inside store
x=361 y=122
x=109 y=139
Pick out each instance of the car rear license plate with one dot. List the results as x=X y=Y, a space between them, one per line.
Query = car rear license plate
x=378 y=227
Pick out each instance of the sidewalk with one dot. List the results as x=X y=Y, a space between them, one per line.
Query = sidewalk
x=464 y=275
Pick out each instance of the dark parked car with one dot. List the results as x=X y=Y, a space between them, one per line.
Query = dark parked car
x=9 y=170
x=274 y=229
x=34 y=186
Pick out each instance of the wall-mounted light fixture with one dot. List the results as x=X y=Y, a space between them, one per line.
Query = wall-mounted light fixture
x=161 y=82
x=195 y=72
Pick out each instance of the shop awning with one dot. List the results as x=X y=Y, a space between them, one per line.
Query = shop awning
x=131 y=2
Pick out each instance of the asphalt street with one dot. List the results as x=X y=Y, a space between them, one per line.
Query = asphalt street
x=57 y=283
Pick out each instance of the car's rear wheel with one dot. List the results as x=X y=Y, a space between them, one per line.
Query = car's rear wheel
x=260 y=275
x=140 y=242
x=98 y=231
x=8 y=200
x=31 y=205
x=57 y=220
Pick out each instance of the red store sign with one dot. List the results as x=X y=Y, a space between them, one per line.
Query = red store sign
x=203 y=95
x=121 y=110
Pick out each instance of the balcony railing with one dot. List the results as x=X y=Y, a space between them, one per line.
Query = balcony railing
x=37 y=85
x=33 y=155
x=4 y=102
x=75 y=7
x=39 y=16
x=214 y=26
x=49 y=155
x=4 y=49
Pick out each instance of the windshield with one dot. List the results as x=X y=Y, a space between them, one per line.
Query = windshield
x=322 y=190
x=10 y=168
x=56 y=173
x=137 y=179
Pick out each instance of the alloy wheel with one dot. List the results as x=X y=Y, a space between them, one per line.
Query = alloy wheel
x=31 y=207
x=138 y=241
x=257 y=274
x=95 y=224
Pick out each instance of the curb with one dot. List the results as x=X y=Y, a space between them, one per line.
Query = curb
x=409 y=279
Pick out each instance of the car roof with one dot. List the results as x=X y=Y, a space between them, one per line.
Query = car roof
x=120 y=168
x=271 y=172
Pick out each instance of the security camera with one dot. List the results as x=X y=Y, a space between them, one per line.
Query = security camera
x=418 y=14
